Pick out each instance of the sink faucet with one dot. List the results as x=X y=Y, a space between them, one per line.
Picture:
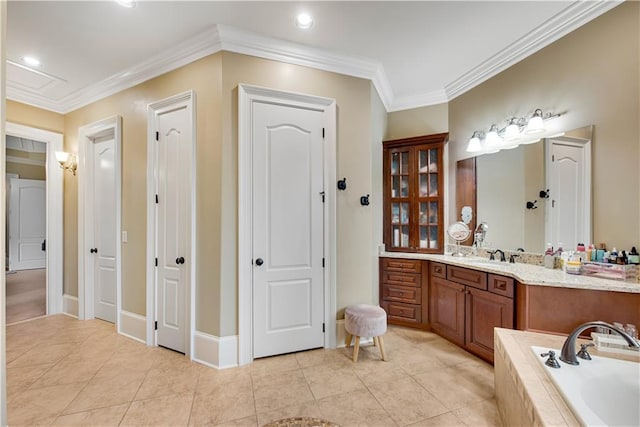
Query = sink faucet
x=568 y=353
x=492 y=253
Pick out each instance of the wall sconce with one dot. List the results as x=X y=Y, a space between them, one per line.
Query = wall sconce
x=517 y=131
x=67 y=161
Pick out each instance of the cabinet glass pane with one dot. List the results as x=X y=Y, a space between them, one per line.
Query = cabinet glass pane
x=433 y=212
x=433 y=237
x=395 y=163
x=400 y=236
x=404 y=213
x=395 y=186
x=433 y=184
x=404 y=167
x=423 y=161
x=424 y=237
x=405 y=236
x=424 y=191
x=404 y=186
x=395 y=242
x=395 y=213
x=424 y=215
x=433 y=160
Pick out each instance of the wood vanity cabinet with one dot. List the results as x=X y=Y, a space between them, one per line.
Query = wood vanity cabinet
x=413 y=189
x=467 y=304
x=404 y=291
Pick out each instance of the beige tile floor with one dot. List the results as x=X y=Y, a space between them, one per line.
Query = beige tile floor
x=62 y=371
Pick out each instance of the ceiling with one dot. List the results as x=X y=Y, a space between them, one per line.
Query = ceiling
x=416 y=53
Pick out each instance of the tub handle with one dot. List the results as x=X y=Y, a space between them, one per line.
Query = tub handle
x=551 y=361
x=583 y=353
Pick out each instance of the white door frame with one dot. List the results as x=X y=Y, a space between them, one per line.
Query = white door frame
x=587 y=208
x=178 y=101
x=111 y=126
x=54 y=203
x=247 y=96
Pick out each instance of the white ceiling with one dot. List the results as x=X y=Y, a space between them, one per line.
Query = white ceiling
x=416 y=53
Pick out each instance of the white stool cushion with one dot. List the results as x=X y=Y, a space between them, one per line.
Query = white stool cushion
x=364 y=320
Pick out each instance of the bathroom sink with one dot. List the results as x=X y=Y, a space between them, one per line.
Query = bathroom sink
x=492 y=264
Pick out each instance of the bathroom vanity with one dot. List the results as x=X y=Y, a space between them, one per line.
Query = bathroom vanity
x=464 y=298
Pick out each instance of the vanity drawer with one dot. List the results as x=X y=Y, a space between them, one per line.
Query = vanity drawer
x=501 y=285
x=404 y=265
x=404 y=294
x=465 y=276
x=438 y=270
x=401 y=279
x=403 y=312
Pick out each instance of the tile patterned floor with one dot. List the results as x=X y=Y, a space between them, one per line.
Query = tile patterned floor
x=62 y=371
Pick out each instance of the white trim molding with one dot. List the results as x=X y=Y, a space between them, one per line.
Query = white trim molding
x=133 y=326
x=26 y=161
x=54 y=215
x=70 y=305
x=247 y=95
x=569 y=19
x=109 y=127
x=215 y=352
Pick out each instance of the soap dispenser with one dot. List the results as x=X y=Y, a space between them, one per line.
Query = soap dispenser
x=633 y=256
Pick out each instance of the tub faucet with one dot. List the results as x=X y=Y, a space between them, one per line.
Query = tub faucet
x=568 y=353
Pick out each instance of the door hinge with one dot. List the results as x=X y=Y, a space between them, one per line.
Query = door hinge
x=156 y=325
x=157 y=136
x=323 y=328
x=322 y=194
x=157 y=199
x=323 y=133
x=553 y=157
x=322 y=262
x=156 y=262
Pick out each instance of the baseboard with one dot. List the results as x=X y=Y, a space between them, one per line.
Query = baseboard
x=70 y=305
x=215 y=352
x=133 y=326
x=341 y=334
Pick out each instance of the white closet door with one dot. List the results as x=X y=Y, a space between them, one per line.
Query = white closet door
x=27 y=224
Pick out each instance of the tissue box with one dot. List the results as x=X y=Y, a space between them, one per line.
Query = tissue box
x=628 y=273
x=612 y=343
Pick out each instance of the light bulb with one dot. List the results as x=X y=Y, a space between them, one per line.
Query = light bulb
x=493 y=139
x=512 y=131
x=474 y=143
x=304 y=21
x=536 y=124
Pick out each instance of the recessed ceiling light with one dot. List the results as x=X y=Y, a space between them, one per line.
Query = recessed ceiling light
x=304 y=21
x=126 y=3
x=30 y=60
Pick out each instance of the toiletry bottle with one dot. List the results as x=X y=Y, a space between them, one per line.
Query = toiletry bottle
x=613 y=256
x=634 y=256
x=600 y=253
x=622 y=258
x=549 y=259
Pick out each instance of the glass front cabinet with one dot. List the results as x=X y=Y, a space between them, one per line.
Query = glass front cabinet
x=413 y=194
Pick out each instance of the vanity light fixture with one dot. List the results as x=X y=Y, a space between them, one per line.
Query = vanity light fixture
x=474 y=143
x=519 y=130
x=304 y=21
x=126 y=3
x=536 y=123
x=67 y=161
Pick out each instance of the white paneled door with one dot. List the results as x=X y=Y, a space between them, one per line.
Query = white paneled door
x=174 y=139
x=27 y=224
x=104 y=228
x=288 y=288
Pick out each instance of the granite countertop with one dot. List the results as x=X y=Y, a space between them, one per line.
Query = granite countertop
x=542 y=398
x=525 y=273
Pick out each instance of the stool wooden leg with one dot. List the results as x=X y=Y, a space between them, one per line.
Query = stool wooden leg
x=347 y=340
x=381 y=345
x=375 y=341
x=356 y=348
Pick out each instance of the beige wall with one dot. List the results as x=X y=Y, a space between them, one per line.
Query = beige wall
x=592 y=75
x=131 y=104
x=418 y=121
x=27 y=115
x=215 y=80
x=353 y=97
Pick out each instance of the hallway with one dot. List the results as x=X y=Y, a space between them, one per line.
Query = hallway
x=26 y=294
x=62 y=371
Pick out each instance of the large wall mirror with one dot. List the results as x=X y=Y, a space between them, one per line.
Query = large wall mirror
x=531 y=195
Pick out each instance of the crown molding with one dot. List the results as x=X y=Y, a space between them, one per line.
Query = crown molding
x=569 y=19
x=419 y=100
x=248 y=43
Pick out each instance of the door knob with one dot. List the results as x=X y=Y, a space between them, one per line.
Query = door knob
x=180 y=260
x=93 y=250
x=259 y=262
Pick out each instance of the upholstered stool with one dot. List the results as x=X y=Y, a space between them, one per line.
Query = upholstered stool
x=364 y=320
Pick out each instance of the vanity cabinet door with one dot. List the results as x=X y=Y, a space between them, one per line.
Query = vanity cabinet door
x=485 y=311
x=413 y=194
x=446 y=308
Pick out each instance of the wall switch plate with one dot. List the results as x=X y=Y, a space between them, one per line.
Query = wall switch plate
x=124 y=236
